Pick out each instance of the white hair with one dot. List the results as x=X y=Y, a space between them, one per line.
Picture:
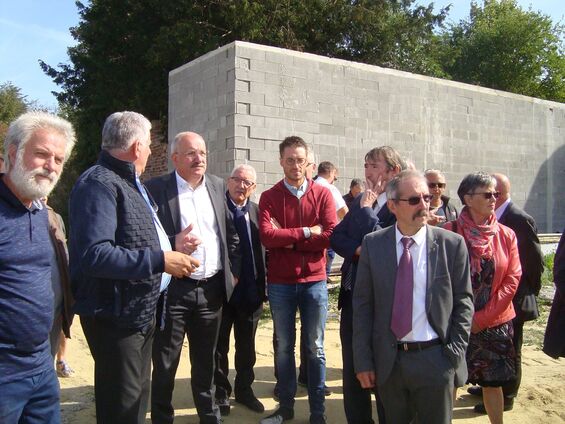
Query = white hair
x=245 y=167
x=22 y=129
x=121 y=129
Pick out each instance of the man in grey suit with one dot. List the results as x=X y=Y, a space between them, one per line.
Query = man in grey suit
x=412 y=309
x=191 y=207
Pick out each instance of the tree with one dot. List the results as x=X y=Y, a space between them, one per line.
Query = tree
x=504 y=47
x=12 y=104
x=127 y=47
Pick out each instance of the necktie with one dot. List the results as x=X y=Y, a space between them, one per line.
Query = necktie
x=401 y=323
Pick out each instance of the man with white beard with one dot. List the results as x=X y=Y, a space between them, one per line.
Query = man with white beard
x=35 y=149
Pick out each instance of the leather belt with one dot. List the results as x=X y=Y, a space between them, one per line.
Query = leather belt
x=412 y=346
x=204 y=280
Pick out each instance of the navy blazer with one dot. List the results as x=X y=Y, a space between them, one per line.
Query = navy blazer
x=356 y=224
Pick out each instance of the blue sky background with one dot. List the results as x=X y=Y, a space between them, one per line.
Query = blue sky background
x=39 y=29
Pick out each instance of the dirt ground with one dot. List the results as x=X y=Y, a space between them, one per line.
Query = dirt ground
x=541 y=400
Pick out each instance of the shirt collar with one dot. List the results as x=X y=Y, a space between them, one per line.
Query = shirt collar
x=419 y=238
x=184 y=186
x=11 y=198
x=235 y=204
x=298 y=192
x=381 y=199
x=502 y=208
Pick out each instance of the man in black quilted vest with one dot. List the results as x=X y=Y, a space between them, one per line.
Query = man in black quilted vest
x=120 y=260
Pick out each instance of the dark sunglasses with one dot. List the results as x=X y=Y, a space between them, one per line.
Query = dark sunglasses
x=487 y=194
x=436 y=185
x=414 y=200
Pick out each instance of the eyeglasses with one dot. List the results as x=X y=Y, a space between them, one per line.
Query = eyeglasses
x=414 y=200
x=292 y=161
x=436 y=185
x=246 y=183
x=193 y=153
x=487 y=194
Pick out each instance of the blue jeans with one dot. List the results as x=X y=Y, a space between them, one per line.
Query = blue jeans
x=311 y=299
x=31 y=400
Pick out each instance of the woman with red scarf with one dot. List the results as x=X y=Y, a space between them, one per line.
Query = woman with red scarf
x=495 y=273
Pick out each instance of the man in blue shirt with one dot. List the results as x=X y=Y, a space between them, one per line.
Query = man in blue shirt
x=36 y=147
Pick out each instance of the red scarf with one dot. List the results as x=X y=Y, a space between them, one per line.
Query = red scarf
x=479 y=238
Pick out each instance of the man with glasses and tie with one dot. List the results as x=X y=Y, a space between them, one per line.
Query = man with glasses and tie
x=412 y=309
x=296 y=218
x=243 y=310
x=120 y=260
x=192 y=206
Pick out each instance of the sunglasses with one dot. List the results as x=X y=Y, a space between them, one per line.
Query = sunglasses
x=487 y=194
x=436 y=185
x=414 y=200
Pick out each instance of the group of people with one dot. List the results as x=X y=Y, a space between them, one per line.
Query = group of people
x=424 y=309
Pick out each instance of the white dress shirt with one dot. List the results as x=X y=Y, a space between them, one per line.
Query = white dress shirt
x=422 y=331
x=501 y=209
x=196 y=208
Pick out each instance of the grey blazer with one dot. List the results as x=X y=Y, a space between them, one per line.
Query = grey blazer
x=164 y=191
x=449 y=300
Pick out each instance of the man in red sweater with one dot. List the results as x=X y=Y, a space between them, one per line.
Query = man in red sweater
x=296 y=220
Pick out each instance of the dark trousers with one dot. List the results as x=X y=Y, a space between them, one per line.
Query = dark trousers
x=194 y=309
x=244 y=325
x=510 y=389
x=122 y=365
x=356 y=400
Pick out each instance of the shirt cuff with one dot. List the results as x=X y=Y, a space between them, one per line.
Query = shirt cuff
x=307 y=232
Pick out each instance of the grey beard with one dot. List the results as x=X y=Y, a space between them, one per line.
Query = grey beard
x=25 y=182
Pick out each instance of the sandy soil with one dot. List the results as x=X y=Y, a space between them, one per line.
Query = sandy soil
x=541 y=400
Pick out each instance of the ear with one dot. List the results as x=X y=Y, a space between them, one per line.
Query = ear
x=391 y=204
x=12 y=153
x=135 y=149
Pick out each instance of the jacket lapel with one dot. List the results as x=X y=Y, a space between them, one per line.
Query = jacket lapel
x=432 y=252
x=173 y=198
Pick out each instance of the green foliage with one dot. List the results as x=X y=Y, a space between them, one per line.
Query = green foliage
x=547 y=276
x=12 y=104
x=126 y=48
x=502 y=46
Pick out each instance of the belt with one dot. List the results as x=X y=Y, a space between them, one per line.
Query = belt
x=412 y=346
x=204 y=280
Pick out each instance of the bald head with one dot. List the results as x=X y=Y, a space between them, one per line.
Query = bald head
x=502 y=186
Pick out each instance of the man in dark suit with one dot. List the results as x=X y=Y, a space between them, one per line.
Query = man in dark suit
x=191 y=206
x=531 y=260
x=412 y=309
x=368 y=212
x=244 y=308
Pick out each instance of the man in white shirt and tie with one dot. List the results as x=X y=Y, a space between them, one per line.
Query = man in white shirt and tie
x=412 y=309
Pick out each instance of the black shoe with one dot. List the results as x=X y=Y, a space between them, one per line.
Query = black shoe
x=317 y=419
x=276 y=393
x=224 y=406
x=327 y=391
x=280 y=415
x=303 y=383
x=251 y=402
x=475 y=390
x=508 y=406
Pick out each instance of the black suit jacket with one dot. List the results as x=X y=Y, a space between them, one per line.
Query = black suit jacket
x=165 y=193
x=531 y=258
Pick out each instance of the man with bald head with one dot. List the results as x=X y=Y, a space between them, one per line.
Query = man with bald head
x=531 y=260
x=191 y=205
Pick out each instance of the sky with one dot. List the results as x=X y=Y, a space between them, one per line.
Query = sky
x=31 y=30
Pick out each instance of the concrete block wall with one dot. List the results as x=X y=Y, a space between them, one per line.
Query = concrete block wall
x=245 y=98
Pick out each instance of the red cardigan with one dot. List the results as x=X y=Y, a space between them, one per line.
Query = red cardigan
x=305 y=262
x=507 y=273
